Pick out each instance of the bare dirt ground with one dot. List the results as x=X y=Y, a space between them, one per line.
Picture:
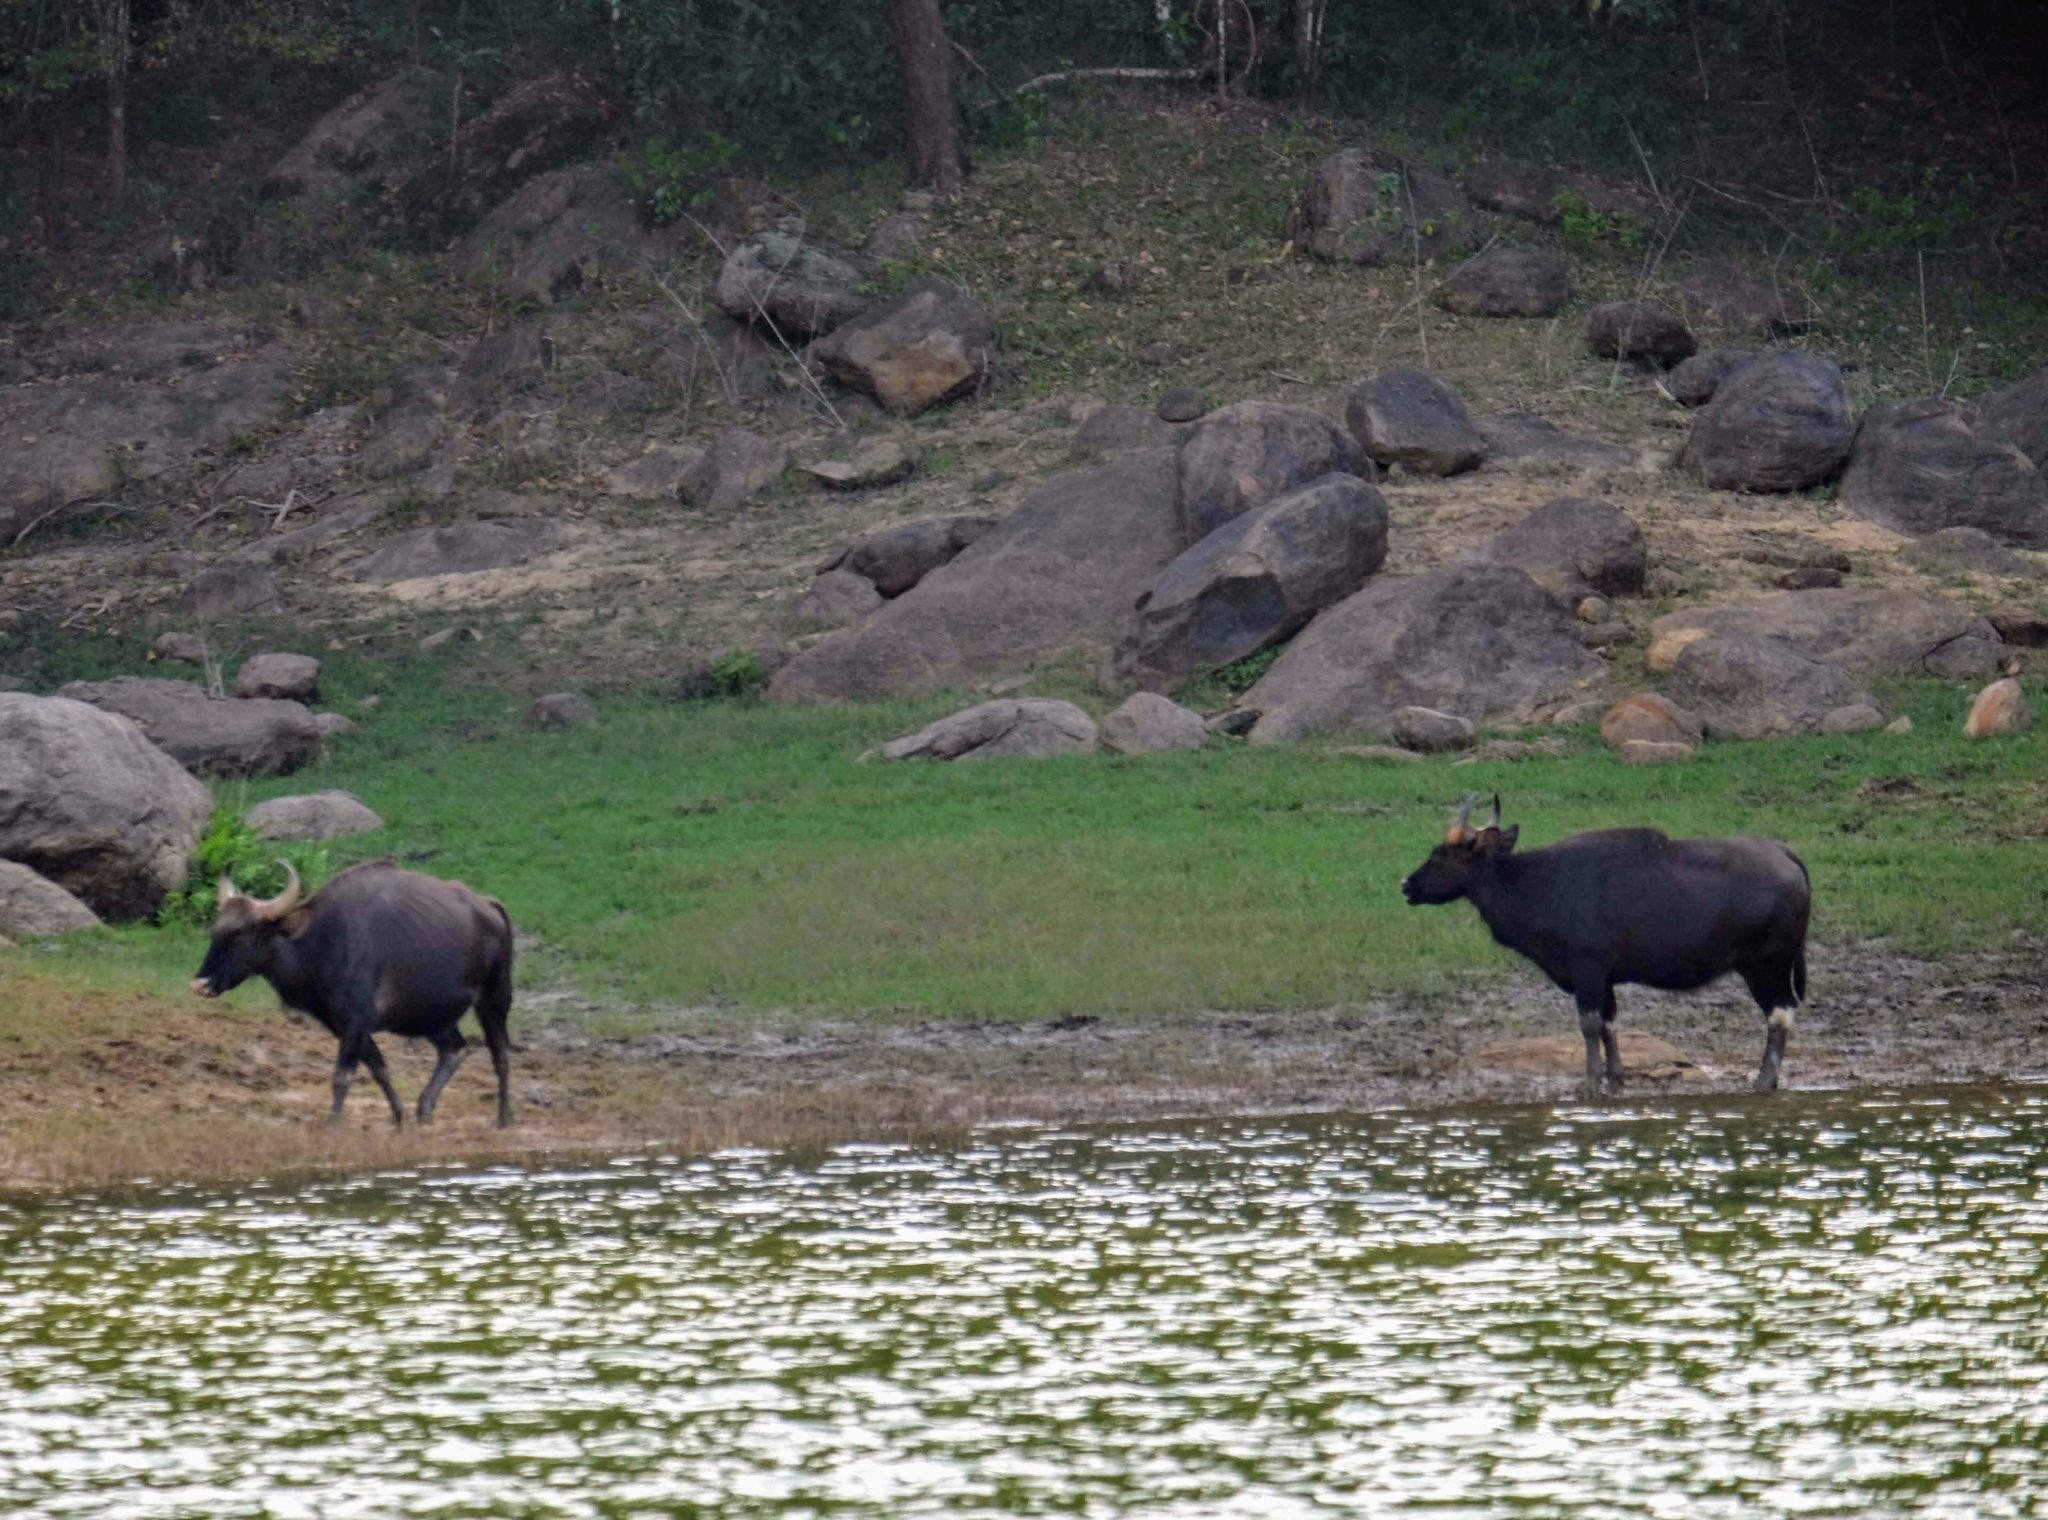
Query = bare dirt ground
x=133 y=1087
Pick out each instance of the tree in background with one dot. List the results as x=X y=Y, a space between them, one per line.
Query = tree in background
x=925 y=56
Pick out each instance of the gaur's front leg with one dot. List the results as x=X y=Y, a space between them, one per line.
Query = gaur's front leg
x=1609 y=1043
x=345 y=1060
x=453 y=1049
x=1592 y=997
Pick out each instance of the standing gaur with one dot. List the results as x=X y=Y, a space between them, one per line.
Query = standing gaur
x=1634 y=905
x=375 y=950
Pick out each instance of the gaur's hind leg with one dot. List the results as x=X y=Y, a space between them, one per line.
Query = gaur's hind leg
x=1774 y=991
x=1592 y=997
x=1609 y=1043
x=453 y=1048
x=345 y=1060
x=374 y=1059
x=490 y=1012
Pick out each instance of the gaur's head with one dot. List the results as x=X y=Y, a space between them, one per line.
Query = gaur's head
x=1452 y=866
x=244 y=930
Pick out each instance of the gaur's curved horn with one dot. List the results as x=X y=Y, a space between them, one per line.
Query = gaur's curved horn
x=1496 y=812
x=276 y=907
x=226 y=888
x=1461 y=825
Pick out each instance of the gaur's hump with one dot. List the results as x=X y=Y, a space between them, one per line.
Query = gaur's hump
x=1615 y=842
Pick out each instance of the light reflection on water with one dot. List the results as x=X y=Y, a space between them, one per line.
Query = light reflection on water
x=1818 y=1306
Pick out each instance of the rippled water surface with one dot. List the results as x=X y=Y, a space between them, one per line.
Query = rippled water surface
x=1818 y=1306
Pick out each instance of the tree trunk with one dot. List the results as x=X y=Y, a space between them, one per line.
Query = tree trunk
x=111 y=17
x=55 y=231
x=1308 y=45
x=926 y=59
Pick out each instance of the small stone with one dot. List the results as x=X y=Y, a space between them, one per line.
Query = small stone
x=370 y=703
x=1160 y=355
x=295 y=677
x=1650 y=717
x=2000 y=708
x=1579 y=714
x=316 y=815
x=1380 y=753
x=455 y=635
x=1650 y=752
x=1112 y=278
x=1901 y=725
x=917 y=201
x=655 y=475
x=1181 y=404
x=1429 y=731
x=1666 y=647
x=179 y=648
x=1810 y=578
x=1148 y=723
x=837 y=599
x=881 y=463
x=1552 y=748
x=1855 y=718
x=332 y=725
x=32 y=907
x=559 y=710
x=1592 y=609
x=1664 y=581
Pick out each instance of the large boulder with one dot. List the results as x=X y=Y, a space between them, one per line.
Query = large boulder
x=1369 y=207
x=1512 y=280
x=1574 y=548
x=1866 y=631
x=1950 y=551
x=1031 y=728
x=483 y=544
x=312 y=815
x=1721 y=289
x=836 y=599
x=219 y=736
x=1058 y=575
x=360 y=147
x=536 y=125
x=32 y=907
x=1239 y=456
x=1751 y=688
x=1482 y=641
x=1255 y=580
x=1413 y=419
x=781 y=279
x=2018 y=415
x=895 y=559
x=87 y=801
x=1779 y=423
x=1637 y=330
x=933 y=343
x=1118 y=426
x=1921 y=466
x=559 y=234
x=1694 y=381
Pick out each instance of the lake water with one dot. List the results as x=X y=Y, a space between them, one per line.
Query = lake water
x=1816 y=1305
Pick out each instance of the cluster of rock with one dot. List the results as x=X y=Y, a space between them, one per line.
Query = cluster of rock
x=263 y=729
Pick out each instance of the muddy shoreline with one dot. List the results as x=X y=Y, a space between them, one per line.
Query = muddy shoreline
x=187 y=1093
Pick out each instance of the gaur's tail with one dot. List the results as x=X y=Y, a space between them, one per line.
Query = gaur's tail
x=1799 y=977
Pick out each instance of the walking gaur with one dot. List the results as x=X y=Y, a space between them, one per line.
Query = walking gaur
x=375 y=950
x=1634 y=905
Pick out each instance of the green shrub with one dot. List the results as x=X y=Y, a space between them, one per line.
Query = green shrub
x=229 y=846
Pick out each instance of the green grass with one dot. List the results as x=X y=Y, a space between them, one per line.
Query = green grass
x=734 y=855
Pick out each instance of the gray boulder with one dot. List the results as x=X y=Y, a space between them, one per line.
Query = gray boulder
x=2018 y=415
x=1484 y=641
x=1147 y=723
x=483 y=544
x=364 y=143
x=34 y=908
x=87 y=801
x=536 y=125
x=1921 y=466
x=882 y=462
x=1429 y=732
x=1695 y=380
x=230 y=588
x=1255 y=581
x=1866 y=631
x=295 y=677
x=313 y=815
x=1730 y=293
x=217 y=736
x=559 y=710
x=1119 y=426
x=1780 y=423
x=799 y=287
x=895 y=559
x=1542 y=193
x=1637 y=330
x=1510 y=280
x=558 y=235
x=1058 y=575
x=836 y=599
x=1414 y=420
x=1751 y=688
x=1239 y=456
x=1369 y=207
x=738 y=466
x=1650 y=718
x=1024 y=728
x=932 y=344
x=1575 y=548
x=657 y=475
x=1953 y=550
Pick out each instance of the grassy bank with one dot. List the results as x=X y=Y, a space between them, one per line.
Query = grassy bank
x=733 y=856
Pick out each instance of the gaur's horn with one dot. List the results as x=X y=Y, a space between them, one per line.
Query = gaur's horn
x=276 y=907
x=1496 y=812
x=1460 y=825
x=226 y=888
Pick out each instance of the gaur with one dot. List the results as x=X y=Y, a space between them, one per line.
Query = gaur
x=376 y=949
x=1633 y=905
